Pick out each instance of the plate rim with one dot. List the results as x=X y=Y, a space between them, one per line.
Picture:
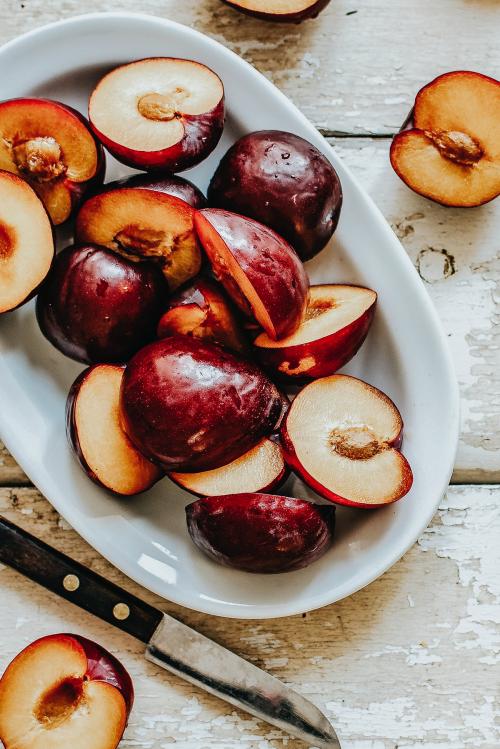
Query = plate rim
x=293 y=606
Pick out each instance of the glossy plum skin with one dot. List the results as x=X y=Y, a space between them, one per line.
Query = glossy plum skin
x=311 y=12
x=274 y=270
x=170 y=184
x=191 y=406
x=103 y=666
x=261 y=532
x=282 y=181
x=99 y=307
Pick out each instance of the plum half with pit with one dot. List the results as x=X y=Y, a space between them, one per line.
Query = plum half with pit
x=260 y=271
x=261 y=532
x=281 y=11
x=159 y=113
x=282 y=181
x=51 y=146
x=190 y=405
x=99 y=307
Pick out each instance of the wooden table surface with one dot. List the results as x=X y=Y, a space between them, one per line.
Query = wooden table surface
x=412 y=660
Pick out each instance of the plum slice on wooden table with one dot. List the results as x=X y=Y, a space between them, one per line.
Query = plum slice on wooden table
x=285 y=11
x=99 y=307
x=261 y=532
x=159 y=113
x=93 y=425
x=259 y=269
x=64 y=691
x=171 y=184
x=342 y=437
x=203 y=311
x=261 y=469
x=450 y=152
x=26 y=242
x=282 y=181
x=192 y=406
x=51 y=146
x=336 y=323
x=143 y=225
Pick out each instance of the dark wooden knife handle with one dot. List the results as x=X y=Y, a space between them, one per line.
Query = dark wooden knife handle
x=74 y=582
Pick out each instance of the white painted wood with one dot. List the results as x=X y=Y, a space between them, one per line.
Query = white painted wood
x=411 y=662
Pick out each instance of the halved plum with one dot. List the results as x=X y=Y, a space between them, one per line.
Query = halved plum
x=26 y=242
x=94 y=430
x=451 y=151
x=143 y=225
x=261 y=532
x=190 y=405
x=342 y=436
x=202 y=311
x=171 y=184
x=284 y=11
x=260 y=271
x=261 y=469
x=159 y=113
x=335 y=325
x=51 y=146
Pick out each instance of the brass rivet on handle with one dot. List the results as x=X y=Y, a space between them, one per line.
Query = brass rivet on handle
x=121 y=611
x=71 y=583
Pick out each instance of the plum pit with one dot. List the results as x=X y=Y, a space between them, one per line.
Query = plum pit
x=162 y=107
x=456 y=146
x=355 y=442
x=58 y=703
x=40 y=159
x=7 y=240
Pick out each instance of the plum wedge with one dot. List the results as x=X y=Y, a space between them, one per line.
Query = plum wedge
x=94 y=431
x=51 y=146
x=159 y=113
x=283 y=11
x=259 y=270
x=26 y=242
x=143 y=225
x=261 y=469
x=260 y=532
x=342 y=437
x=450 y=152
x=336 y=323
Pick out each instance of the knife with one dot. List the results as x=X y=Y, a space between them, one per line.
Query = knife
x=169 y=643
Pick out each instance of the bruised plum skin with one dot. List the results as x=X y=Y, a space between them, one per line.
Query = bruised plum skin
x=282 y=181
x=261 y=532
x=171 y=184
x=97 y=306
x=191 y=406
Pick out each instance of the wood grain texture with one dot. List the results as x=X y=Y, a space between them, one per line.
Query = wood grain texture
x=411 y=662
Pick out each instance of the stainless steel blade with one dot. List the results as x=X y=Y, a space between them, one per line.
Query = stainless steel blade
x=215 y=669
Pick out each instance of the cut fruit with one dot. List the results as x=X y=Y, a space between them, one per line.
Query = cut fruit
x=192 y=406
x=51 y=146
x=171 y=184
x=261 y=469
x=259 y=269
x=99 y=307
x=291 y=11
x=64 y=691
x=342 y=436
x=159 y=113
x=94 y=431
x=26 y=242
x=202 y=311
x=451 y=154
x=143 y=225
x=335 y=325
x=260 y=532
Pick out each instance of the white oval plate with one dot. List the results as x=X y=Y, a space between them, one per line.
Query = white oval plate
x=405 y=354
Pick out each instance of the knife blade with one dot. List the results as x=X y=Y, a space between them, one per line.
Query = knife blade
x=170 y=643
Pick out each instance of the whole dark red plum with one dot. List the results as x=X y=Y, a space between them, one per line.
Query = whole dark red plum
x=189 y=405
x=99 y=307
x=283 y=181
x=261 y=532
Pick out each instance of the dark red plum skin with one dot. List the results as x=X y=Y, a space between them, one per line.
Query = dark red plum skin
x=171 y=184
x=282 y=181
x=192 y=406
x=271 y=265
x=312 y=12
x=261 y=532
x=98 y=307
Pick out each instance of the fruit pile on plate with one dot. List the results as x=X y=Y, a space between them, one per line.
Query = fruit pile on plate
x=196 y=317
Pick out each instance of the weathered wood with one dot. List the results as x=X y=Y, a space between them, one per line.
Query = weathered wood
x=411 y=661
x=349 y=71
